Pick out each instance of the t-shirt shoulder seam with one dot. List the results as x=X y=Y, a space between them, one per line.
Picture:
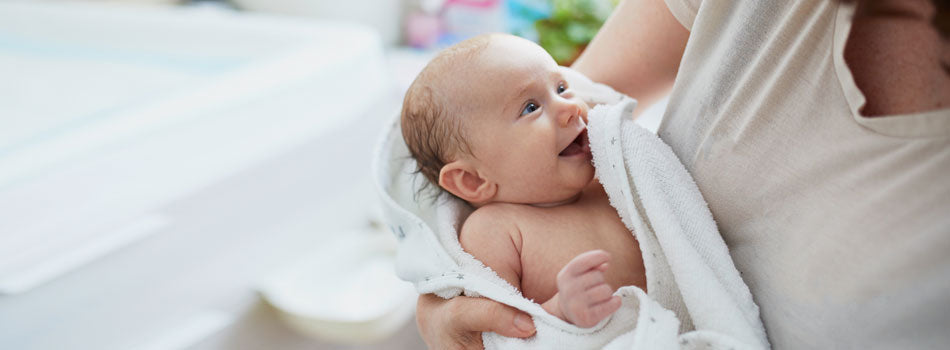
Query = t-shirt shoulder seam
x=684 y=11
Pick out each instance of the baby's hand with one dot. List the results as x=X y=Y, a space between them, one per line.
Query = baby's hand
x=584 y=296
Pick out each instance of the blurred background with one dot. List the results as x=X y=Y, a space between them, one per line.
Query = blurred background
x=197 y=174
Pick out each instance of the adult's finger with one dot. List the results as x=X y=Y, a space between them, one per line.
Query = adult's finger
x=457 y=323
x=432 y=316
x=486 y=315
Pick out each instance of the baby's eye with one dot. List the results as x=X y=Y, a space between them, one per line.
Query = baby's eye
x=528 y=108
x=561 y=87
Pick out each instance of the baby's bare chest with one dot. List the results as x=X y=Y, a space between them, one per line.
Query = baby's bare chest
x=550 y=239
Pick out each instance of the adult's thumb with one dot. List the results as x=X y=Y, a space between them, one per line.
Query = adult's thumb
x=486 y=315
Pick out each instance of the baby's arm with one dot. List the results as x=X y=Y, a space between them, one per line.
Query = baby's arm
x=583 y=296
x=495 y=241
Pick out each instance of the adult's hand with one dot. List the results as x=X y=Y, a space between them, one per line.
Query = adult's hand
x=458 y=323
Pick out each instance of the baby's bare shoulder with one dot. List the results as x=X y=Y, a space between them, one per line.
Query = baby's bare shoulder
x=492 y=219
x=496 y=220
x=497 y=217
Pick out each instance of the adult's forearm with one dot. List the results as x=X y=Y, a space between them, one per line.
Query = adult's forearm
x=637 y=51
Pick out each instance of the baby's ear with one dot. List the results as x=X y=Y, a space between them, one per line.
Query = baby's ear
x=462 y=179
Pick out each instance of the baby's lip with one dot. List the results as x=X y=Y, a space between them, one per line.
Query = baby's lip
x=580 y=144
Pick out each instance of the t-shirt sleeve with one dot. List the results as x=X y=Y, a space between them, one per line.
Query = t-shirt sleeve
x=684 y=11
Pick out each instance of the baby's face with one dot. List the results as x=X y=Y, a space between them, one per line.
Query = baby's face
x=526 y=127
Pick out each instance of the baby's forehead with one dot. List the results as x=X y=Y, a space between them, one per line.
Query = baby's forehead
x=514 y=56
x=502 y=65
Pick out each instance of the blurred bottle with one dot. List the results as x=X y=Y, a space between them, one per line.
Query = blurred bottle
x=464 y=19
x=424 y=24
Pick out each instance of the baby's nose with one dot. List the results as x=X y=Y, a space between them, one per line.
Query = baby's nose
x=569 y=111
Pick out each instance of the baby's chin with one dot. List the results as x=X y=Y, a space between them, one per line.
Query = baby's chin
x=565 y=195
x=547 y=191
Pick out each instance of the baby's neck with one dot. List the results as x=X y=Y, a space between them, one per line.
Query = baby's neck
x=594 y=185
x=554 y=204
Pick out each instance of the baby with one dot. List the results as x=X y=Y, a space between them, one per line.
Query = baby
x=493 y=121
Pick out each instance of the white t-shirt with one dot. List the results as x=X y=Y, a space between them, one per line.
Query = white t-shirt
x=839 y=224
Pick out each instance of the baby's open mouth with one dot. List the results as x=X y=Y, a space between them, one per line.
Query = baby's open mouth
x=578 y=146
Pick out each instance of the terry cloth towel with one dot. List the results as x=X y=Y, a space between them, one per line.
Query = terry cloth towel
x=696 y=298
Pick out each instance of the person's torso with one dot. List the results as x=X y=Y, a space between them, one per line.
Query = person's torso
x=840 y=224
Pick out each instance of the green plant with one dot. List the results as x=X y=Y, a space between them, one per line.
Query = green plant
x=573 y=23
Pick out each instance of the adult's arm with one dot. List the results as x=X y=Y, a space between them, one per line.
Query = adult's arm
x=637 y=51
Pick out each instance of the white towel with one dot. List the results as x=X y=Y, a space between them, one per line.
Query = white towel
x=696 y=298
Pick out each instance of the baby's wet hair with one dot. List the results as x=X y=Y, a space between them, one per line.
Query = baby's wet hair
x=433 y=131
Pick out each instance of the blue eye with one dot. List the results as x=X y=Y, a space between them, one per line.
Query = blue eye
x=528 y=108
x=561 y=87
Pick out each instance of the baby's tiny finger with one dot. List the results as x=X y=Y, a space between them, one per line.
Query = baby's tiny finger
x=588 y=280
x=586 y=261
x=606 y=308
x=599 y=293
